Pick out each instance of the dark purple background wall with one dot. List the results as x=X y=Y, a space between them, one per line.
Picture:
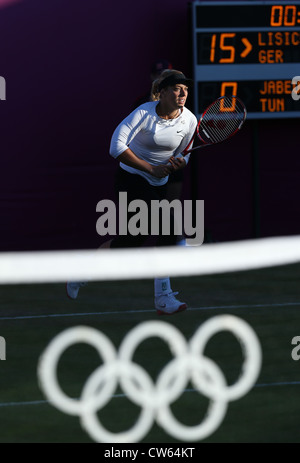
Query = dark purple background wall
x=73 y=69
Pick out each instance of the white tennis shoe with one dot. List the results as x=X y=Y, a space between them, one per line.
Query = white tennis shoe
x=167 y=304
x=73 y=287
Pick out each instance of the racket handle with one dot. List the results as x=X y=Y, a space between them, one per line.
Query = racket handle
x=190 y=150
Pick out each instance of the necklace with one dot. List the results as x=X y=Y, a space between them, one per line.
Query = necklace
x=166 y=116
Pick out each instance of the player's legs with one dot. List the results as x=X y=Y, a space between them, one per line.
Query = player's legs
x=164 y=298
x=137 y=187
x=73 y=287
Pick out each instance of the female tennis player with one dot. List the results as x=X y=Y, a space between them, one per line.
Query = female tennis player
x=146 y=144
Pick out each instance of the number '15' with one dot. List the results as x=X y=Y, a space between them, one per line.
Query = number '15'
x=223 y=47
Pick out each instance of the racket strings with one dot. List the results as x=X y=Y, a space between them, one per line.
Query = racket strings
x=221 y=120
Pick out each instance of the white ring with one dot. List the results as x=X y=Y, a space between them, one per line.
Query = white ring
x=47 y=367
x=250 y=347
x=177 y=345
x=216 y=410
x=89 y=419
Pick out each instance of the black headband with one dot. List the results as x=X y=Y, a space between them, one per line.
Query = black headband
x=174 y=79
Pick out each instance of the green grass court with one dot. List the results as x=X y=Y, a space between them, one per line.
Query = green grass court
x=268 y=299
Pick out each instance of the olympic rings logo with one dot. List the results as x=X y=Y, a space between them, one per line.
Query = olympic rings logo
x=188 y=364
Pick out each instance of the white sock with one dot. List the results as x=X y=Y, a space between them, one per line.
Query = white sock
x=162 y=286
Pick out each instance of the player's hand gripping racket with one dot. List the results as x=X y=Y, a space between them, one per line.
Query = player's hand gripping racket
x=220 y=121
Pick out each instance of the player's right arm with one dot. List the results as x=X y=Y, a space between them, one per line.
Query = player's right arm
x=120 y=149
x=130 y=159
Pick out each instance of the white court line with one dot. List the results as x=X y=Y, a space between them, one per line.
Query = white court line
x=113 y=312
x=44 y=402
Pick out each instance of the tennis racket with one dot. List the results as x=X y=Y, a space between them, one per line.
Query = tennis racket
x=220 y=121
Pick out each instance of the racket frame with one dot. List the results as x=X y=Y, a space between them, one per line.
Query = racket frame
x=188 y=150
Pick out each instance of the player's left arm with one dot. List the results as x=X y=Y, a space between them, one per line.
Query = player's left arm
x=178 y=161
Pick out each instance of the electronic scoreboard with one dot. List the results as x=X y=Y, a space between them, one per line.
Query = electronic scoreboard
x=250 y=49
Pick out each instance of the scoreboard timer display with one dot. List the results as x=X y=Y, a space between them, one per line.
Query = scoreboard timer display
x=248 y=49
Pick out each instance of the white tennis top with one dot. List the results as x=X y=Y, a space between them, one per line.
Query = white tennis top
x=152 y=138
